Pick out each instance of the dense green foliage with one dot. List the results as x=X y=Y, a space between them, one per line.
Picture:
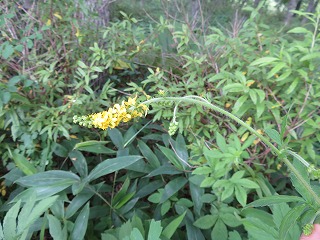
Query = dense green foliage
x=213 y=179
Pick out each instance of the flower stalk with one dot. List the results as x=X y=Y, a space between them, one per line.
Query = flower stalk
x=203 y=102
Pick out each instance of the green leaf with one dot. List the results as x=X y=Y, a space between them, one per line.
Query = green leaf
x=221 y=142
x=290 y=220
x=203 y=170
x=116 y=137
x=260 y=108
x=259 y=229
x=36 y=212
x=267 y=201
x=219 y=232
x=7 y=50
x=81 y=223
x=48 y=178
x=299 y=30
x=82 y=64
x=94 y=147
x=293 y=86
x=55 y=228
x=136 y=234
x=10 y=222
x=23 y=164
x=148 y=154
x=79 y=162
x=1 y=232
x=238 y=104
x=165 y=207
x=111 y=165
x=310 y=56
x=241 y=195
x=233 y=87
x=299 y=187
x=253 y=96
x=279 y=211
x=172 y=187
x=26 y=210
x=264 y=61
x=276 y=69
x=234 y=235
x=206 y=222
x=154 y=230
x=173 y=226
x=171 y=157
x=246 y=183
x=77 y=202
x=274 y=135
x=41 y=192
x=283 y=126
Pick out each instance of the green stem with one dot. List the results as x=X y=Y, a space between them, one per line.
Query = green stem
x=207 y=104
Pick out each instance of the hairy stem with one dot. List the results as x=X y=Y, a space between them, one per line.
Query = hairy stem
x=207 y=104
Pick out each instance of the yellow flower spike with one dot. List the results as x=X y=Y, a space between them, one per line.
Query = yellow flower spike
x=227 y=105
x=114 y=116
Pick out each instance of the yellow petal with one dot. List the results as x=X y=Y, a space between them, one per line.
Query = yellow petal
x=48 y=23
x=57 y=15
x=245 y=136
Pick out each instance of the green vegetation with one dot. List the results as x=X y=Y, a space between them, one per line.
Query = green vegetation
x=228 y=149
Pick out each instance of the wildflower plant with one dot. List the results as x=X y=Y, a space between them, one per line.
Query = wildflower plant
x=112 y=117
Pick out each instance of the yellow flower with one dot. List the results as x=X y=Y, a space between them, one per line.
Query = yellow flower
x=114 y=116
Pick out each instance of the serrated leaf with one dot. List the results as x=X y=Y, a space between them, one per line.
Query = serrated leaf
x=219 y=232
x=276 y=199
x=154 y=230
x=206 y=222
x=290 y=220
x=274 y=135
x=260 y=230
x=221 y=142
x=299 y=187
x=241 y=195
x=246 y=183
x=9 y=222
